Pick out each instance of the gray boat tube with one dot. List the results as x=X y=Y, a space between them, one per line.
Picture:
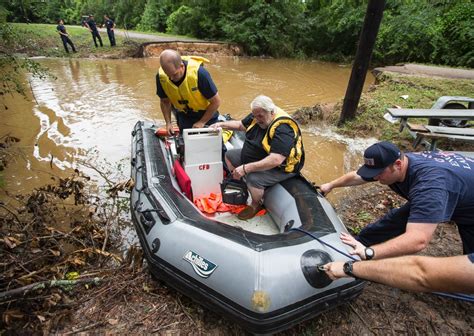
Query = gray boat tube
x=264 y=283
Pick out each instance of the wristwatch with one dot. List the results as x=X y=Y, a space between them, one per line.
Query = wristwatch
x=369 y=253
x=347 y=268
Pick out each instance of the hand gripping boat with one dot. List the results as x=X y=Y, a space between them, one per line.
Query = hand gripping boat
x=262 y=273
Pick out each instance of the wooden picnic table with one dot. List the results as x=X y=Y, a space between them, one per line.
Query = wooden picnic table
x=405 y=114
x=435 y=132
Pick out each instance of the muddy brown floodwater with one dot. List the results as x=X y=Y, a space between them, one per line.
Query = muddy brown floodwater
x=87 y=113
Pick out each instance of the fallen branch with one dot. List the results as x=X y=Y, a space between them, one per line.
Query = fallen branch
x=79 y=330
x=11 y=212
x=4 y=296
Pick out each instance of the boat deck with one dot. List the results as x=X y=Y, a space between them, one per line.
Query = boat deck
x=259 y=224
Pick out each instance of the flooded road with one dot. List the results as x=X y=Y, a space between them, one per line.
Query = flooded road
x=85 y=116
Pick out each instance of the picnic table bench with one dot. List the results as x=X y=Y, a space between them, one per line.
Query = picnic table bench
x=420 y=132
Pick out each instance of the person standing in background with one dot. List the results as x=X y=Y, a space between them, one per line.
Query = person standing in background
x=92 y=26
x=110 y=25
x=65 y=36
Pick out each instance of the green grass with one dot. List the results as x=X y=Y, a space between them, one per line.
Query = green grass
x=44 y=40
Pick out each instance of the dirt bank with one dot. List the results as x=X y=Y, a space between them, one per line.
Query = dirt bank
x=153 y=49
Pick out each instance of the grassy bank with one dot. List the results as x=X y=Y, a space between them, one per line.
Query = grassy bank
x=422 y=92
x=44 y=40
x=419 y=92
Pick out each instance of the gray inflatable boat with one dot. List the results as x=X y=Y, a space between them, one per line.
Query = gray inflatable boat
x=262 y=273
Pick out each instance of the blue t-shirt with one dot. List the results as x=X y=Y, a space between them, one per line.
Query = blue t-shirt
x=471 y=257
x=439 y=187
x=205 y=83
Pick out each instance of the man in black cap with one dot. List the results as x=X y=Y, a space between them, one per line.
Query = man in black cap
x=438 y=187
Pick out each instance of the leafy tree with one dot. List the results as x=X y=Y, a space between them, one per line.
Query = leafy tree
x=12 y=67
x=155 y=15
x=266 y=28
x=457 y=31
x=410 y=34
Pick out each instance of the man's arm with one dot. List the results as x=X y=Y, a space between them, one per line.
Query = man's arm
x=235 y=125
x=416 y=273
x=165 y=105
x=214 y=104
x=415 y=239
x=349 y=179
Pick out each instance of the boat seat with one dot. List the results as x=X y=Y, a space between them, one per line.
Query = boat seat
x=281 y=206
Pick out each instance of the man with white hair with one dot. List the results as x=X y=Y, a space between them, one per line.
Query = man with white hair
x=186 y=87
x=272 y=152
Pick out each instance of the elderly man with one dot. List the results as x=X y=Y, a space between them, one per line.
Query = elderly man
x=272 y=151
x=438 y=187
x=186 y=87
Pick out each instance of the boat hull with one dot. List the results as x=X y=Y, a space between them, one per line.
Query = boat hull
x=265 y=283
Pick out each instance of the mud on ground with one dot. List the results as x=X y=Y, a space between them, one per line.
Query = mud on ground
x=130 y=301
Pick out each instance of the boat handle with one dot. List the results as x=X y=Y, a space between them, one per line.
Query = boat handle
x=147 y=220
x=165 y=219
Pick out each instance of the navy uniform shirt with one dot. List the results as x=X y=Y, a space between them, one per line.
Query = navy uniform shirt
x=62 y=29
x=92 y=24
x=109 y=24
x=439 y=187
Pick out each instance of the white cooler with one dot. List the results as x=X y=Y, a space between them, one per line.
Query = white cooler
x=203 y=160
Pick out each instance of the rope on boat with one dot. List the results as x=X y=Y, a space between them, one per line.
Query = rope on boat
x=457 y=296
x=324 y=243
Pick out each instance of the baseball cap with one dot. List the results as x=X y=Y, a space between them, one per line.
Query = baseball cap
x=378 y=157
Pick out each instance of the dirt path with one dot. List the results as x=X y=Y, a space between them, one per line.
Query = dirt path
x=151 y=37
x=427 y=70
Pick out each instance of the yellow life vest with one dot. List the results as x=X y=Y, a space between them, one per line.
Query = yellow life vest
x=186 y=97
x=294 y=161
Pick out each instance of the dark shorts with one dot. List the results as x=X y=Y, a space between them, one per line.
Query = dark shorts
x=471 y=257
x=260 y=179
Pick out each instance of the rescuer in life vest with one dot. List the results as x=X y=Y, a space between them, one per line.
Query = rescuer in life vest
x=272 y=152
x=186 y=87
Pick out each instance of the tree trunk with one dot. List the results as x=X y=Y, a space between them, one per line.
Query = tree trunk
x=373 y=17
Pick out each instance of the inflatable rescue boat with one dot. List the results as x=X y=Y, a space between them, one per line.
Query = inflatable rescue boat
x=261 y=273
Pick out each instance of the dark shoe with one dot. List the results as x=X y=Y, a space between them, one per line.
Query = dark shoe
x=249 y=212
